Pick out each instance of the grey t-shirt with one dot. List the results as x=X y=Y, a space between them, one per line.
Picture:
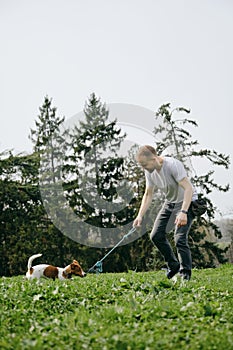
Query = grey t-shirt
x=167 y=179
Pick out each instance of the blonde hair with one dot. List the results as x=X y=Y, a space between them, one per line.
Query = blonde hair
x=146 y=151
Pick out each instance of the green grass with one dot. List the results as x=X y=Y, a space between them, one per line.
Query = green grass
x=119 y=311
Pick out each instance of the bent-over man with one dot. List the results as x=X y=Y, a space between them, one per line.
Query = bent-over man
x=169 y=175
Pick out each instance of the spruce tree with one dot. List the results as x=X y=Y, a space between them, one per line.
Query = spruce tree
x=50 y=141
x=95 y=171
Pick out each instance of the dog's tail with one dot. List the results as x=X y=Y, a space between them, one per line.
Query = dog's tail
x=30 y=260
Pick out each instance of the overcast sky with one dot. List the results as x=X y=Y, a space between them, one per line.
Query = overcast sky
x=139 y=52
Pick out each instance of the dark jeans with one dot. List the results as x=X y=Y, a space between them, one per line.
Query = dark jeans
x=163 y=224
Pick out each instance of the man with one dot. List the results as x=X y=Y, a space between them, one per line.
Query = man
x=169 y=175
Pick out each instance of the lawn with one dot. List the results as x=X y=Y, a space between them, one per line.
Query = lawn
x=124 y=311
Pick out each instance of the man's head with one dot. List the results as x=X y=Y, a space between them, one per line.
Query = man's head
x=147 y=157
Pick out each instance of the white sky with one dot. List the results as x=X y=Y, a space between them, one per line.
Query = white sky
x=140 y=52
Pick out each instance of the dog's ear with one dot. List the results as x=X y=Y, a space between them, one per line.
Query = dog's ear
x=75 y=262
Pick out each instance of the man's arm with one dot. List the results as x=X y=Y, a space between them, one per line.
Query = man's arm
x=146 y=202
x=181 y=218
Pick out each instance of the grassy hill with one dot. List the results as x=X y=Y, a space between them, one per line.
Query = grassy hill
x=125 y=311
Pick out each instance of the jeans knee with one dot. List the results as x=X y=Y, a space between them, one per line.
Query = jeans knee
x=180 y=240
x=156 y=237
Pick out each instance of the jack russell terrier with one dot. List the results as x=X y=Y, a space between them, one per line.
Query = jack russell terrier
x=49 y=271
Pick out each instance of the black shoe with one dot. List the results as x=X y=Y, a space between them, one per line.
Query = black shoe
x=185 y=275
x=173 y=272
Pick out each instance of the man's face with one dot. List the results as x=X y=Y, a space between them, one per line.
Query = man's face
x=148 y=164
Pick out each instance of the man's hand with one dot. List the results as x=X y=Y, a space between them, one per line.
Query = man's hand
x=137 y=222
x=181 y=219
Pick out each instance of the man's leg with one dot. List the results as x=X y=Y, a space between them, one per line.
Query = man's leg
x=182 y=246
x=158 y=237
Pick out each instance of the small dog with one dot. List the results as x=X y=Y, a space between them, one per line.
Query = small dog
x=49 y=271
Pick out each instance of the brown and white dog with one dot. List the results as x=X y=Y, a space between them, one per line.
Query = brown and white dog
x=49 y=271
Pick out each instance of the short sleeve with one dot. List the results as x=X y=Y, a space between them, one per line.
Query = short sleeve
x=179 y=172
x=149 y=182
